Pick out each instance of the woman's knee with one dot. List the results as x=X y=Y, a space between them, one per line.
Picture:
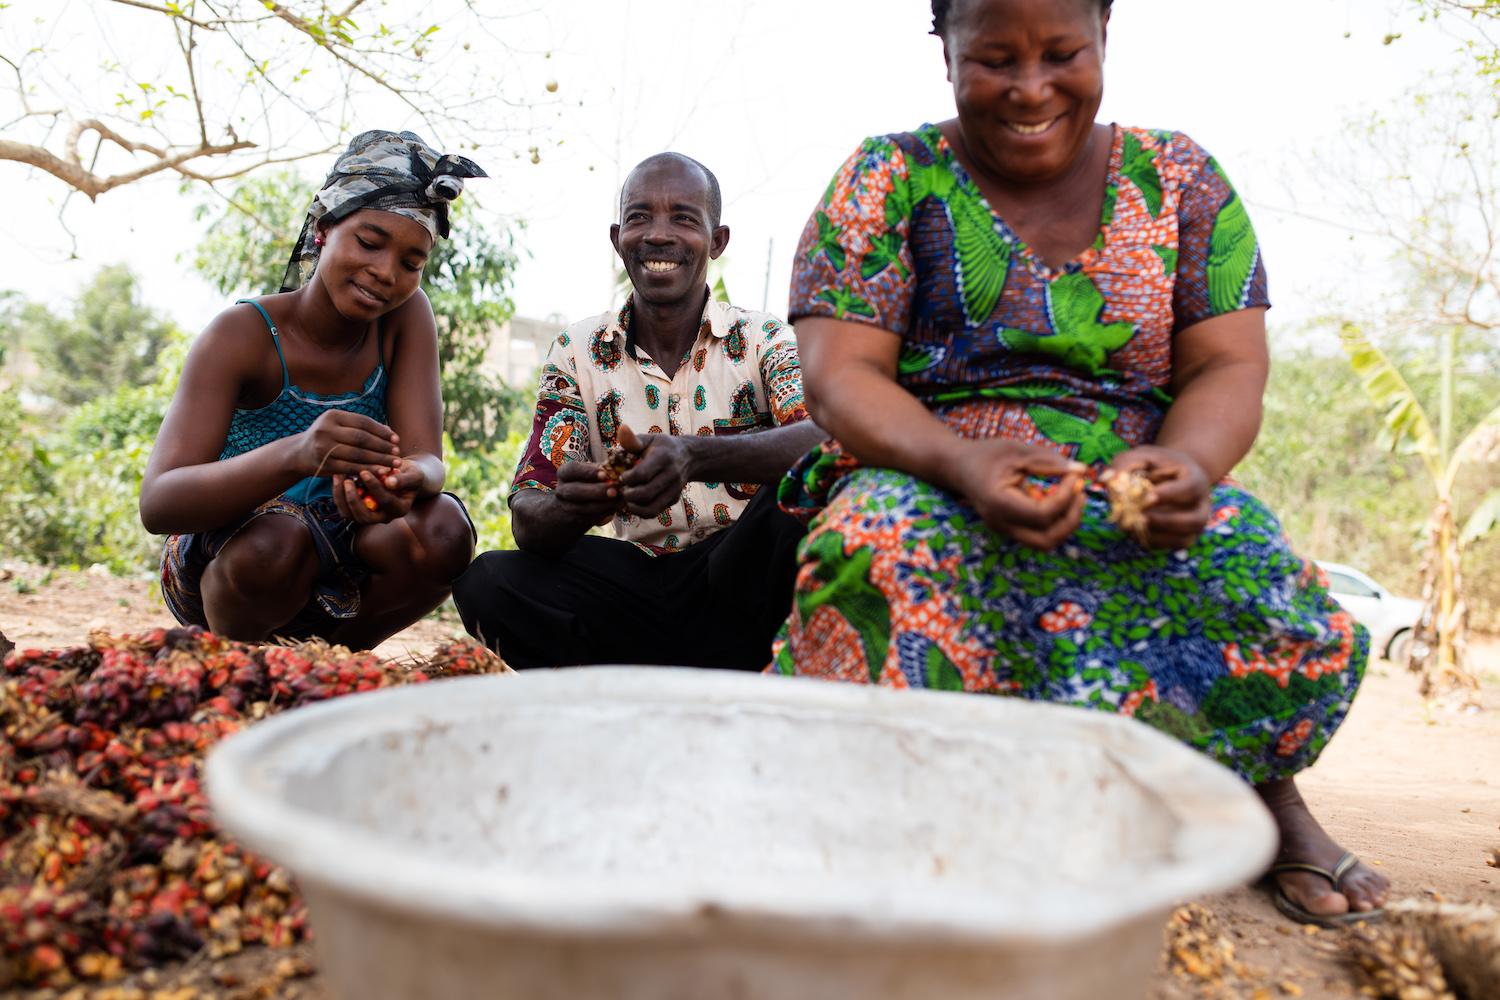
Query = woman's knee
x=443 y=539
x=270 y=556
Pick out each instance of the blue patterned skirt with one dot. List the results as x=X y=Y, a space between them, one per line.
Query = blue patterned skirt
x=1233 y=646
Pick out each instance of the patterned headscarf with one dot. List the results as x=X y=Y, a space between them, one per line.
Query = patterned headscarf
x=390 y=171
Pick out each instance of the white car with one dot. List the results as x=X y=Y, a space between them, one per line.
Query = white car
x=1392 y=620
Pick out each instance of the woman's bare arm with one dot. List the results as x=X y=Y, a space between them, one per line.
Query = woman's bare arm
x=1219 y=371
x=186 y=488
x=414 y=403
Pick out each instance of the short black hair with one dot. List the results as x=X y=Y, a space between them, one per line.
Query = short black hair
x=715 y=196
x=941 y=8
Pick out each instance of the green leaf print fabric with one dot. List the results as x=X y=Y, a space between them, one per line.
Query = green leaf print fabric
x=1232 y=646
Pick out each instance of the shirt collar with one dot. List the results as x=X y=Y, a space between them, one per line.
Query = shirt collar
x=716 y=321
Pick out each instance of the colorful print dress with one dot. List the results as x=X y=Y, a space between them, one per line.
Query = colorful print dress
x=1234 y=646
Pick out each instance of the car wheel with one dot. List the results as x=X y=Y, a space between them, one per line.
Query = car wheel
x=1398 y=650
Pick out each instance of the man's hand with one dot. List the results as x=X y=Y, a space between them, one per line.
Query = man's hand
x=1182 y=500
x=994 y=478
x=585 y=494
x=663 y=469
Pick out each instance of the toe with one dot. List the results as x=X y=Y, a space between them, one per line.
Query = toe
x=1366 y=889
x=1314 y=894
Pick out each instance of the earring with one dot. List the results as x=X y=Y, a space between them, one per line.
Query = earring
x=317 y=241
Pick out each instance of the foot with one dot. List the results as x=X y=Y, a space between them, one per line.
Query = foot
x=1304 y=840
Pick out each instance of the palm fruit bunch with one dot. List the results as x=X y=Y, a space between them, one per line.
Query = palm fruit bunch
x=1196 y=948
x=617 y=462
x=1130 y=496
x=109 y=858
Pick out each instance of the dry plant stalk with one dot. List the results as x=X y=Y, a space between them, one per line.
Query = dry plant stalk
x=1395 y=963
x=1465 y=939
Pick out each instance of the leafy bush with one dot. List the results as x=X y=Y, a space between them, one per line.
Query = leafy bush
x=482 y=479
x=78 y=484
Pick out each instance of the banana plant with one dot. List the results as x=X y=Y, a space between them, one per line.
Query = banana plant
x=1438 y=653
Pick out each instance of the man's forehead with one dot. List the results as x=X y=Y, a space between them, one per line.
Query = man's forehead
x=665 y=179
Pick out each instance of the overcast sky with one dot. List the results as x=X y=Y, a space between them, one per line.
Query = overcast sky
x=773 y=94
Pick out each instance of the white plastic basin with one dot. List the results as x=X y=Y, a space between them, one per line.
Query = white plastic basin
x=671 y=834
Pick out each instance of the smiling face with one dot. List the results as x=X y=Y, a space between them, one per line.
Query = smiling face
x=372 y=262
x=667 y=233
x=1028 y=76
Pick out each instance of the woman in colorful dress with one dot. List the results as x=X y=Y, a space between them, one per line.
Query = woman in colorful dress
x=995 y=315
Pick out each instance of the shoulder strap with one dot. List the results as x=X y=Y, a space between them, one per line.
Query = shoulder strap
x=286 y=376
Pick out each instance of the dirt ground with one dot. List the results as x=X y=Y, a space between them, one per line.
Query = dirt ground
x=1413 y=788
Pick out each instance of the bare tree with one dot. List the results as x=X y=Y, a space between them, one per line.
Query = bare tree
x=108 y=92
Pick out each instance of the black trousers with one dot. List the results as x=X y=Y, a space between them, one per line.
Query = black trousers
x=717 y=603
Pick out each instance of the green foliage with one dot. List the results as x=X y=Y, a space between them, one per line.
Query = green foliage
x=10 y=334
x=109 y=341
x=1483 y=520
x=1407 y=428
x=482 y=478
x=76 y=486
x=1322 y=464
x=467 y=278
x=246 y=248
x=72 y=484
x=26 y=469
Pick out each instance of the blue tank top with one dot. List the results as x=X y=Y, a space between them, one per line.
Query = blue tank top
x=294 y=411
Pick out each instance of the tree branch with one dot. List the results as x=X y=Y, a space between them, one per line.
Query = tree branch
x=82 y=179
x=323 y=43
x=214 y=24
x=187 y=56
x=176 y=15
x=211 y=179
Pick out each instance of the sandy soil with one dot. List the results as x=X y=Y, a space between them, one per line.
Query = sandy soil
x=1412 y=788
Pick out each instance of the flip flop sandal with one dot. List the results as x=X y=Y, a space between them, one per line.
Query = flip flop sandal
x=1335 y=877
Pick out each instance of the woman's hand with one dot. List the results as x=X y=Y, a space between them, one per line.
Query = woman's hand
x=1182 y=496
x=993 y=477
x=376 y=496
x=343 y=443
